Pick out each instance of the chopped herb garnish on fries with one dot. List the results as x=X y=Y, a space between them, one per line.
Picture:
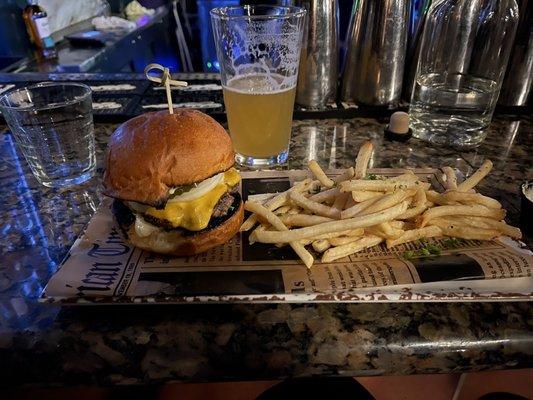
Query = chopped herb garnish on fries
x=374 y=177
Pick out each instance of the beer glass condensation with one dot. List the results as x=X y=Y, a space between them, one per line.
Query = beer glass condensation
x=258 y=48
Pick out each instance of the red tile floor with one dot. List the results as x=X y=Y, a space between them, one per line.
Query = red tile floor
x=419 y=387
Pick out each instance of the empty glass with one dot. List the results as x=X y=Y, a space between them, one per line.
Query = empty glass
x=53 y=126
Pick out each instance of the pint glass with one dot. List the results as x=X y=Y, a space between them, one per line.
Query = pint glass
x=258 y=48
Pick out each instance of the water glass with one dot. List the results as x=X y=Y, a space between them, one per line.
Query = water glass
x=463 y=55
x=258 y=49
x=53 y=126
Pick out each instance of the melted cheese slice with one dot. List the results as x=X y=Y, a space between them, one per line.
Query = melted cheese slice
x=194 y=215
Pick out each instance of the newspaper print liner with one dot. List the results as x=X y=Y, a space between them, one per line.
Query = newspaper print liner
x=511 y=289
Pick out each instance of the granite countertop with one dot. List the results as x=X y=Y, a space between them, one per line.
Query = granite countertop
x=49 y=345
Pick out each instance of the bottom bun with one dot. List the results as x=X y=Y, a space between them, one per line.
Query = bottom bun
x=175 y=242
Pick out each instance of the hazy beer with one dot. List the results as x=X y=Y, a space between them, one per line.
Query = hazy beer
x=259 y=116
x=258 y=48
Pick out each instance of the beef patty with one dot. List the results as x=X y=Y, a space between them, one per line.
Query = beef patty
x=227 y=205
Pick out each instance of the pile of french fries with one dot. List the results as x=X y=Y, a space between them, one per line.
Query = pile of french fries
x=354 y=211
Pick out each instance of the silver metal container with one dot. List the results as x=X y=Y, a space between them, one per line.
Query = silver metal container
x=318 y=71
x=417 y=17
x=517 y=84
x=518 y=80
x=376 y=46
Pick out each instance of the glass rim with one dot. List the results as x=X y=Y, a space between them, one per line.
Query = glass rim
x=221 y=12
x=41 y=85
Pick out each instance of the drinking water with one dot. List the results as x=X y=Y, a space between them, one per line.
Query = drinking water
x=452 y=109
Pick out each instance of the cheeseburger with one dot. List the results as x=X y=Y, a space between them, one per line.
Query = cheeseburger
x=173 y=181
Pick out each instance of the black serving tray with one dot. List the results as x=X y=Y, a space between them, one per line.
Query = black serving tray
x=103 y=88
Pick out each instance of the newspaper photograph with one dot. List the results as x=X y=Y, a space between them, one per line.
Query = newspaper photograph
x=102 y=267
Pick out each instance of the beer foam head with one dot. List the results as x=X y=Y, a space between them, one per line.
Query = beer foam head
x=259 y=83
x=267 y=47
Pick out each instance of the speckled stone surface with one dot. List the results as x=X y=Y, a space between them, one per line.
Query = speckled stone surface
x=47 y=345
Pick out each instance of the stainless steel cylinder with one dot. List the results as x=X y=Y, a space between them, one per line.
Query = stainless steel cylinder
x=318 y=71
x=517 y=84
x=518 y=80
x=376 y=46
x=417 y=16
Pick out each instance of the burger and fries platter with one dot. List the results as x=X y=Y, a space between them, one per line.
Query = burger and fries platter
x=313 y=236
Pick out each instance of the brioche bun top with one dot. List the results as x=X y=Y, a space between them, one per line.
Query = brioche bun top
x=156 y=151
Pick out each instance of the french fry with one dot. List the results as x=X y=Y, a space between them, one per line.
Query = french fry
x=348 y=232
x=257 y=208
x=349 y=202
x=418 y=205
x=276 y=202
x=294 y=210
x=340 y=200
x=358 y=208
x=413 y=212
x=314 y=207
x=453 y=196
x=333 y=226
x=282 y=210
x=386 y=201
x=321 y=245
x=335 y=253
x=313 y=186
x=451 y=178
x=252 y=237
x=415 y=234
x=423 y=185
x=432 y=196
x=378 y=230
x=303 y=219
x=332 y=235
x=319 y=174
x=342 y=240
x=477 y=222
x=476 y=177
x=346 y=175
x=465 y=232
x=389 y=231
x=501 y=226
x=472 y=233
x=408 y=177
x=420 y=198
x=397 y=224
x=475 y=211
x=362 y=160
x=385 y=186
x=326 y=195
x=361 y=195
x=483 y=223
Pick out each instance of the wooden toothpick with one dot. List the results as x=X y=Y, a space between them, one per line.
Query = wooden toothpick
x=165 y=80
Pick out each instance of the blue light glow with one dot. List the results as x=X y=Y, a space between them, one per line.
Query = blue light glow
x=209 y=55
